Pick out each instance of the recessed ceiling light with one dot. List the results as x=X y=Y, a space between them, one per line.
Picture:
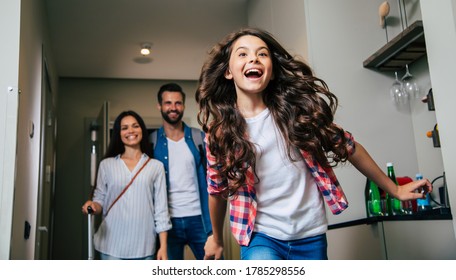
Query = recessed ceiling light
x=145 y=49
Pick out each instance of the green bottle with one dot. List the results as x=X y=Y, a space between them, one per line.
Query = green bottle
x=394 y=204
x=373 y=199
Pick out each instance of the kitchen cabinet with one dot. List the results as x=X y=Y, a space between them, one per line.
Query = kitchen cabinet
x=417 y=237
x=419 y=240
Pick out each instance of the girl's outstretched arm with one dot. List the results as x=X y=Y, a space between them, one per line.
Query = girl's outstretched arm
x=367 y=166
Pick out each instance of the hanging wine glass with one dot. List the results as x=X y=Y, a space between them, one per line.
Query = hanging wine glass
x=409 y=84
x=397 y=92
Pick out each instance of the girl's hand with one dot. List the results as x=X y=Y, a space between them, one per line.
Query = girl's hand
x=213 y=250
x=414 y=190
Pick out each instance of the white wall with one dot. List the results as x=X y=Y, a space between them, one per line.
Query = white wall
x=440 y=29
x=33 y=38
x=430 y=162
x=9 y=56
x=286 y=22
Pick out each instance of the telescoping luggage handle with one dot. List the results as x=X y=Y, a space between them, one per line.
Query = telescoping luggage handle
x=90 y=231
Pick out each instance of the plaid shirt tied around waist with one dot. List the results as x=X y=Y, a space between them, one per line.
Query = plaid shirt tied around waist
x=243 y=205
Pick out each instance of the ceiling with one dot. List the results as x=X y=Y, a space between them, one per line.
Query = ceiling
x=102 y=38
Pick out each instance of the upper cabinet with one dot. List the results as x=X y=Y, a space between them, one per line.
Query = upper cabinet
x=405 y=48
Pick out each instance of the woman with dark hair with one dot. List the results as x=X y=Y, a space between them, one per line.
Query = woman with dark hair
x=271 y=145
x=131 y=187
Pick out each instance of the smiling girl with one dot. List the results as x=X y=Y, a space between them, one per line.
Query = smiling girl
x=271 y=146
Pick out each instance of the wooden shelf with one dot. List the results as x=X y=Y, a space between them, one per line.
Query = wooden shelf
x=405 y=48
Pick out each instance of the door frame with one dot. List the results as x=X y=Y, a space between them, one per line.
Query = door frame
x=46 y=187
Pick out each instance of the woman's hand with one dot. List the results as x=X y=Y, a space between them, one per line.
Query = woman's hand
x=162 y=253
x=96 y=208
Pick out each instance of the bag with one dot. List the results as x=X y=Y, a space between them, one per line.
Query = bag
x=128 y=185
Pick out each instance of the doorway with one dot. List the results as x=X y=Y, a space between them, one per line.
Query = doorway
x=46 y=188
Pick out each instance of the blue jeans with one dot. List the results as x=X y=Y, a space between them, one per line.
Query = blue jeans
x=186 y=231
x=263 y=247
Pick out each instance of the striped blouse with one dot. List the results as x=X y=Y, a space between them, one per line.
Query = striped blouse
x=130 y=229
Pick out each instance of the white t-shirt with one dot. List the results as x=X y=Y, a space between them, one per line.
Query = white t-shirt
x=183 y=197
x=289 y=204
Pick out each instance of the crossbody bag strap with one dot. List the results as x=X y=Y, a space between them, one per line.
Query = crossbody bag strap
x=125 y=189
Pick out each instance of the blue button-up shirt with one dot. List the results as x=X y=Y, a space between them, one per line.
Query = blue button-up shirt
x=161 y=154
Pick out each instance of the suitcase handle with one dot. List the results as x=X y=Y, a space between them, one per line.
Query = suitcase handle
x=90 y=233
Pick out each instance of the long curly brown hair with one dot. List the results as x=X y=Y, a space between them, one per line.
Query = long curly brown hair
x=301 y=105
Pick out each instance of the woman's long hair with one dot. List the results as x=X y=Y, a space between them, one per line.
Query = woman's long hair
x=117 y=147
x=301 y=104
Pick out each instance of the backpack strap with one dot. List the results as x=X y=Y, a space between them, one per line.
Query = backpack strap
x=153 y=139
x=127 y=186
x=197 y=137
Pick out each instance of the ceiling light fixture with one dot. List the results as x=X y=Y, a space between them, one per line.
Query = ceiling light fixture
x=145 y=49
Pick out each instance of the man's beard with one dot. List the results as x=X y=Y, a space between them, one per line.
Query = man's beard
x=172 y=121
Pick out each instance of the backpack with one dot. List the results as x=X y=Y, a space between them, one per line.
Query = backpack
x=197 y=139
